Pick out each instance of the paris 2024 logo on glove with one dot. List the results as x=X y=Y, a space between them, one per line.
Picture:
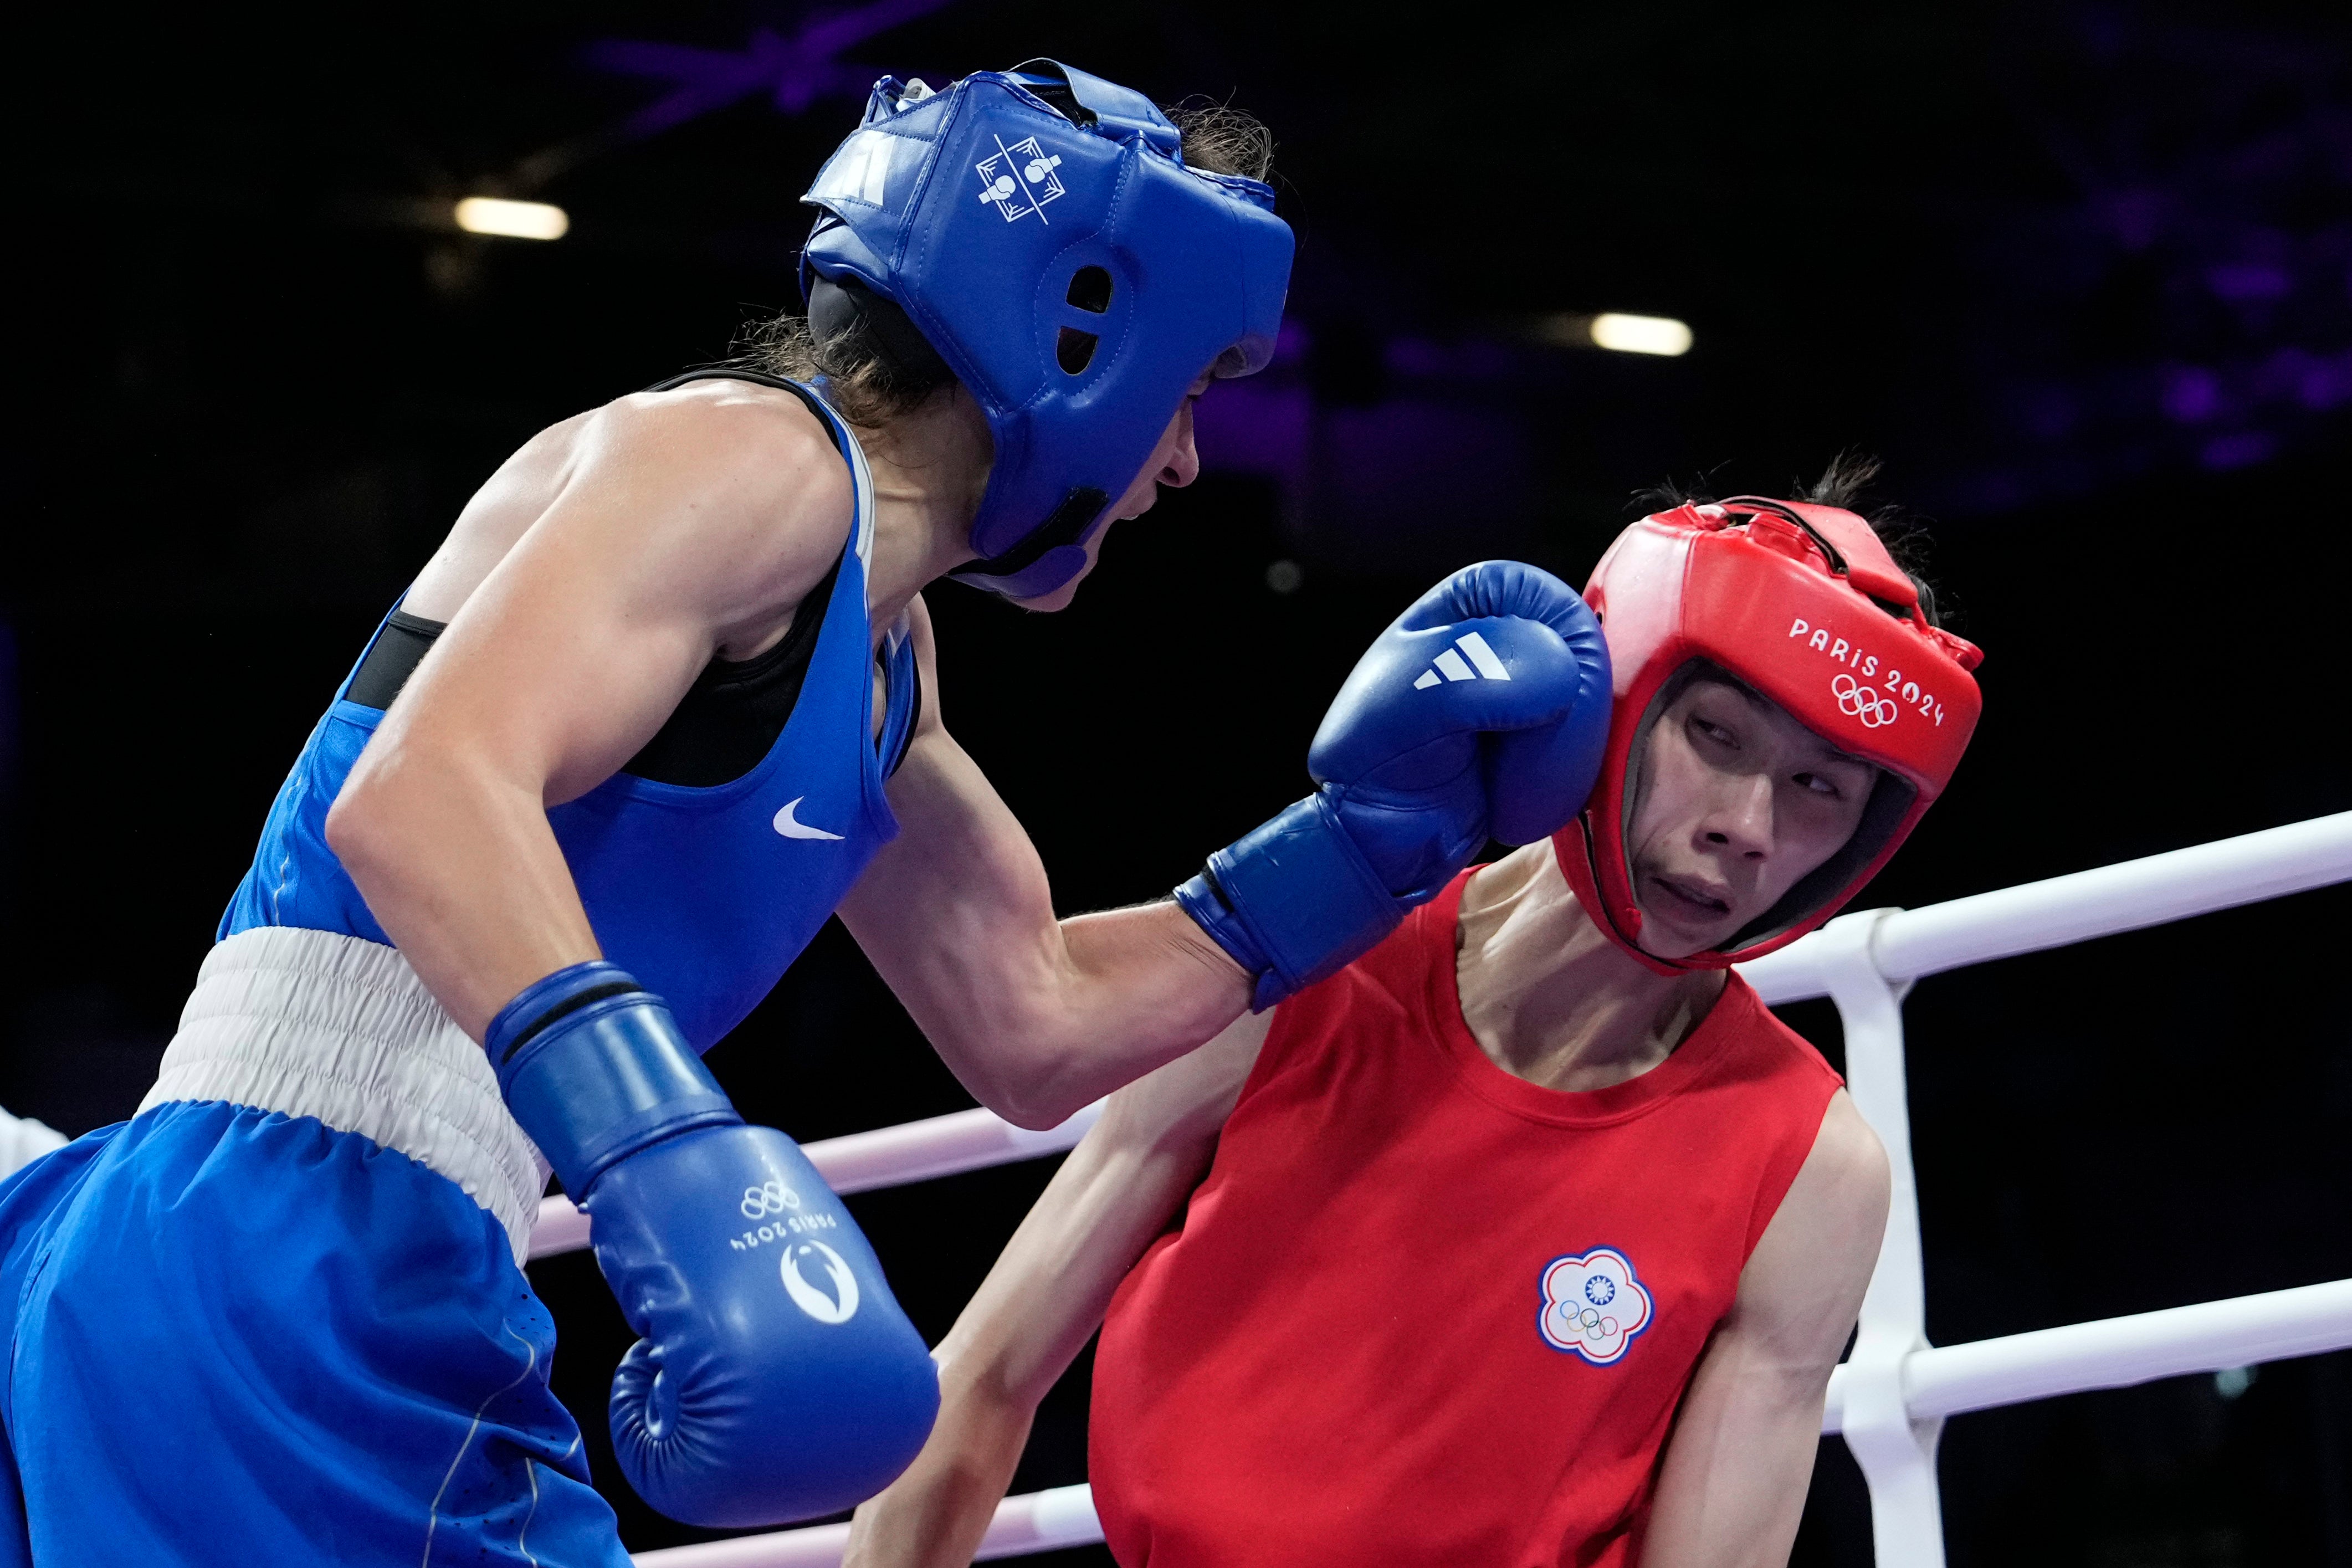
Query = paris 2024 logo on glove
x=837 y=1305
x=1593 y=1305
x=830 y=1295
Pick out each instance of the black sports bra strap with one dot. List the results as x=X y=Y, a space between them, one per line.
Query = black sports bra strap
x=391 y=659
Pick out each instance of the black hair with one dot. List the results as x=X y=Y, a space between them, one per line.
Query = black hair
x=1844 y=484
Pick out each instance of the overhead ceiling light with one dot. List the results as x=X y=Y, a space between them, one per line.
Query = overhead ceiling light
x=1640 y=334
x=523 y=220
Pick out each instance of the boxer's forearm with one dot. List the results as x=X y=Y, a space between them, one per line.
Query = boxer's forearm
x=1109 y=998
x=464 y=874
x=1036 y=1016
x=1116 y=1191
x=1046 y=1296
x=1732 y=1488
x=1136 y=988
x=934 y=1515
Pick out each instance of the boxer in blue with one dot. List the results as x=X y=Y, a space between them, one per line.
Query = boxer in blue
x=664 y=700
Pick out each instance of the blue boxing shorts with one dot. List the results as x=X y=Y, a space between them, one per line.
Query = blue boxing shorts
x=279 y=1316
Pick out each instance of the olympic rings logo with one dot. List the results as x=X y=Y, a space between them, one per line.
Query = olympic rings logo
x=1874 y=710
x=769 y=1197
x=1598 y=1330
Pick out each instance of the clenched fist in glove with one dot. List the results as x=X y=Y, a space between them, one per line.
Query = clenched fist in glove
x=776 y=1378
x=1479 y=714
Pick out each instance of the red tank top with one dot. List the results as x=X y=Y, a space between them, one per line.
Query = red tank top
x=1423 y=1312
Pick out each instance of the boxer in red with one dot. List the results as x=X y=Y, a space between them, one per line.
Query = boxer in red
x=1530 y=1237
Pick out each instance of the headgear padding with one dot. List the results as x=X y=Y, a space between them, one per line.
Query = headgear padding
x=1073 y=274
x=1803 y=604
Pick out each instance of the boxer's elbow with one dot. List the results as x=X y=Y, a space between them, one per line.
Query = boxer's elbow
x=1051 y=1048
x=396 y=813
x=1031 y=1095
x=363 y=826
x=1043 y=1112
x=1011 y=1026
x=1033 y=1074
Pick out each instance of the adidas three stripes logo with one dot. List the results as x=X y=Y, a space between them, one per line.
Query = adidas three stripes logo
x=1451 y=666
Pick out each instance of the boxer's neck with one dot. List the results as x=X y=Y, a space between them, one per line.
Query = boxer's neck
x=930 y=465
x=1552 y=1000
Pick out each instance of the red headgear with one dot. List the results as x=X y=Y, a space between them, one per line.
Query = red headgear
x=1802 y=603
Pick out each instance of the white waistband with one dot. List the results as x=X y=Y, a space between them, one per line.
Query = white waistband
x=312 y=1023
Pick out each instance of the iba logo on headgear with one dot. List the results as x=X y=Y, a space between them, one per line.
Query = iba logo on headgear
x=1593 y=1305
x=838 y=1307
x=1020 y=179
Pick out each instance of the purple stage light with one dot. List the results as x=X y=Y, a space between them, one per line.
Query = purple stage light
x=793 y=72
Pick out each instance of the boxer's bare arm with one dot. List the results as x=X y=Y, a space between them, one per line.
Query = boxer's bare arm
x=1047 y=1295
x=1733 y=1485
x=1036 y=1016
x=584 y=587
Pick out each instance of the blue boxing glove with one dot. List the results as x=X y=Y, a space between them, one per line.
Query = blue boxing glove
x=777 y=1378
x=1482 y=712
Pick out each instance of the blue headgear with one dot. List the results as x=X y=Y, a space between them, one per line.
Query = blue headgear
x=1040 y=230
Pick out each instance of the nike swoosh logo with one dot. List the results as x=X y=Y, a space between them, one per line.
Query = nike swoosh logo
x=791 y=828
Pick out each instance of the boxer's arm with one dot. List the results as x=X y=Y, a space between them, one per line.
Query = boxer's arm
x=1733 y=1485
x=678 y=523
x=1036 y=1016
x=1047 y=1295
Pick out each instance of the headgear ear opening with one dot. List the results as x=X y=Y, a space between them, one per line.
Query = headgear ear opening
x=1039 y=232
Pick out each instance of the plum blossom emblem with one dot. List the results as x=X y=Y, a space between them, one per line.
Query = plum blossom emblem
x=1593 y=1306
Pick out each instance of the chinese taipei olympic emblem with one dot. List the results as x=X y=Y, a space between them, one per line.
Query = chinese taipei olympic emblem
x=1593 y=1305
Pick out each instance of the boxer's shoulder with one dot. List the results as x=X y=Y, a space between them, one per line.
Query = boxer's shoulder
x=729 y=490
x=1811 y=1262
x=1848 y=1160
x=734 y=444
x=738 y=486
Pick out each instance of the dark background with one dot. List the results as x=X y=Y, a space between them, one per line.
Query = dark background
x=2082 y=274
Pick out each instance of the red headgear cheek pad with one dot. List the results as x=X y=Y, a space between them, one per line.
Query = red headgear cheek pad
x=1803 y=604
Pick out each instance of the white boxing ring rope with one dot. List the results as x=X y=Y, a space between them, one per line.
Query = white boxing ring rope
x=1891 y=1396
x=886 y=1157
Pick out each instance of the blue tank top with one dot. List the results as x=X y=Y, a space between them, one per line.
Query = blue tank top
x=704 y=894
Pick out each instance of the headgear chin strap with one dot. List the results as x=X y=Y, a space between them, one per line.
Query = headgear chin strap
x=1039 y=230
x=1803 y=604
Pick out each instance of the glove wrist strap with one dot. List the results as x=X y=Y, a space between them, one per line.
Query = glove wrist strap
x=594 y=1068
x=1292 y=901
